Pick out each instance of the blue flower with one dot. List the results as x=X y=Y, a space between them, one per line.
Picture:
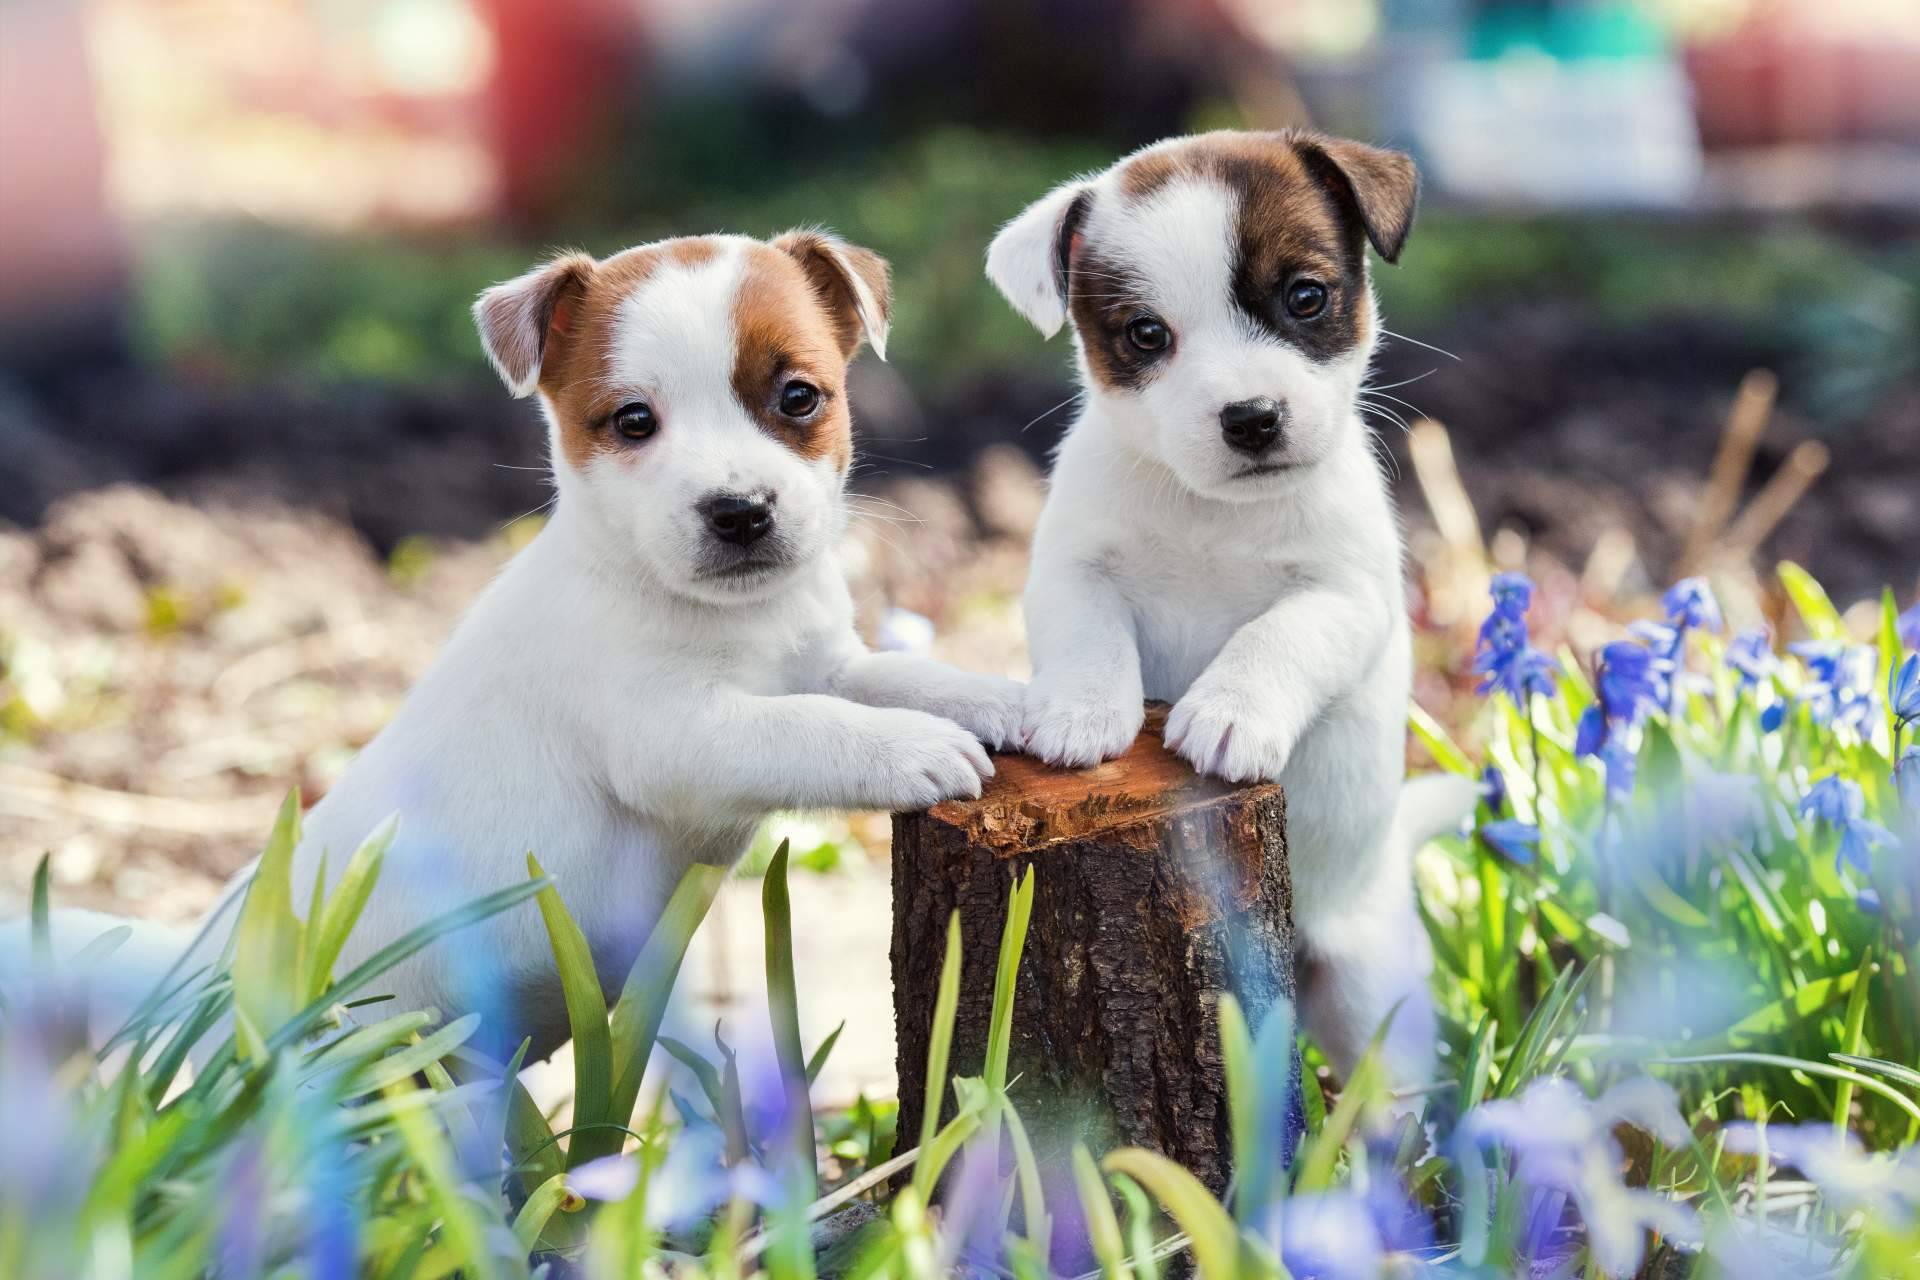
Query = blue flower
x=1773 y=717
x=1503 y=655
x=1563 y=1145
x=1512 y=593
x=1689 y=603
x=1906 y=780
x=1590 y=734
x=1628 y=681
x=1493 y=788
x=1751 y=654
x=1514 y=840
x=1903 y=690
x=1621 y=764
x=1833 y=800
x=1837 y=802
x=1908 y=625
x=1841 y=691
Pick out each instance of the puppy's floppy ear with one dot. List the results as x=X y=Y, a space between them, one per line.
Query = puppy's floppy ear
x=517 y=319
x=1382 y=186
x=853 y=282
x=1028 y=260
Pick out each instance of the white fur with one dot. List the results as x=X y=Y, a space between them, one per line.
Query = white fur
x=1268 y=609
x=610 y=709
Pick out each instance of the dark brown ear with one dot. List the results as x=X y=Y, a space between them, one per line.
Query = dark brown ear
x=519 y=318
x=853 y=282
x=1382 y=186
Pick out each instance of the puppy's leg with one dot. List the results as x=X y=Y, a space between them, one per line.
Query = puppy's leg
x=1358 y=971
x=751 y=754
x=1085 y=703
x=1242 y=717
x=988 y=707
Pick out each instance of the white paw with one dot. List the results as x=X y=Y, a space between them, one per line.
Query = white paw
x=925 y=759
x=1078 y=725
x=988 y=707
x=1225 y=736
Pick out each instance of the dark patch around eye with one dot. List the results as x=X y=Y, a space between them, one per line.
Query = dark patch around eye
x=1105 y=296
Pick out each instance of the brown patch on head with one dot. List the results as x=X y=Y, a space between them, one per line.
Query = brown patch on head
x=576 y=349
x=1307 y=207
x=788 y=329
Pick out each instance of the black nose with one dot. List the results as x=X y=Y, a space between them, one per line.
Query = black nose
x=1251 y=426
x=739 y=520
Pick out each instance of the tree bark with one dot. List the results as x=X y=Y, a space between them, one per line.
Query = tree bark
x=1155 y=891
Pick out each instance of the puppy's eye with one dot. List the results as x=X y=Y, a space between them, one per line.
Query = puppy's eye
x=635 y=421
x=799 y=399
x=1149 y=333
x=1306 y=299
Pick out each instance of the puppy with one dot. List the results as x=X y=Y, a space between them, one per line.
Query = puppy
x=1218 y=534
x=672 y=658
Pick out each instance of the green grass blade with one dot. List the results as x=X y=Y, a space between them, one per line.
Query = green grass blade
x=349 y=899
x=42 y=926
x=1828 y=1070
x=643 y=999
x=1811 y=602
x=1891 y=1070
x=1216 y=1242
x=1439 y=744
x=1033 y=1194
x=540 y=1206
x=1243 y=1112
x=818 y=1062
x=586 y=1015
x=1851 y=1035
x=414 y=1059
x=783 y=1007
x=1013 y=940
x=269 y=940
x=1365 y=1085
x=1096 y=1206
x=939 y=1045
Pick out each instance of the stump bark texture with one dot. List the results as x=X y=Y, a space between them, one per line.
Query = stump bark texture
x=1155 y=891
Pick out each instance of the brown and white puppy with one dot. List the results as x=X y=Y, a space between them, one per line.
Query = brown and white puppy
x=671 y=659
x=1218 y=534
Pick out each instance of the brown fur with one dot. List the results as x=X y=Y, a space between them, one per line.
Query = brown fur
x=1307 y=206
x=783 y=330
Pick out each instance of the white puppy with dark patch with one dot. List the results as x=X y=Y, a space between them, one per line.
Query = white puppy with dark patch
x=671 y=659
x=1218 y=533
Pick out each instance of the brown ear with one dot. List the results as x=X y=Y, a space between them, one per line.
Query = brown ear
x=1382 y=186
x=518 y=319
x=851 y=281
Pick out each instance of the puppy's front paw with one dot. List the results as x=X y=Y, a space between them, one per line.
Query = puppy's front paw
x=988 y=707
x=1227 y=736
x=1079 y=724
x=925 y=760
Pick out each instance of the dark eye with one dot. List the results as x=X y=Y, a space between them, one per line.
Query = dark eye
x=798 y=399
x=1149 y=333
x=635 y=421
x=1306 y=299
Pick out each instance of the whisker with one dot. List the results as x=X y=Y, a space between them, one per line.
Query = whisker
x=1057 y=408
x=1416 y=342
x=1404 y=382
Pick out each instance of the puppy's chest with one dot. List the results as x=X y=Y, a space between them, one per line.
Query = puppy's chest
x=1188 y=601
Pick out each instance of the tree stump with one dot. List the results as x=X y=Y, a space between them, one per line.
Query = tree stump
x=1155 y=891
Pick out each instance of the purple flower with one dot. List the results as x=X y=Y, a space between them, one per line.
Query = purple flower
x=1751 y=654
x=1563 y=1144
x=1516 y=841
x=1908 y=625
x=688 y=1184
x=1590 y=734
x=1903 y=690
x=1837 y=803
x=1689 y=603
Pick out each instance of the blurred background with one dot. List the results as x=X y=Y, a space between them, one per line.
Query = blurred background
x=1661 y=314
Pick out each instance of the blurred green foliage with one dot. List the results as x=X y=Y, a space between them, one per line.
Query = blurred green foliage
x=250 y=301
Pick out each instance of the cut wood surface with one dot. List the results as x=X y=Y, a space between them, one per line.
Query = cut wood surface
x=1155 y=891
